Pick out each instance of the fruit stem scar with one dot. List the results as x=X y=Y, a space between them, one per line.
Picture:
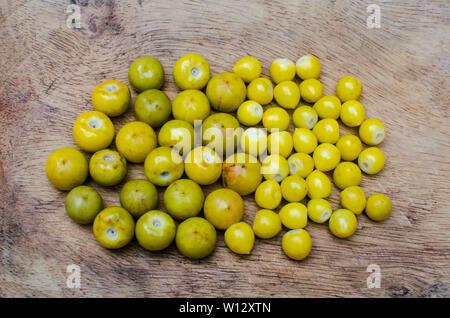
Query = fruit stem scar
x=111 y=233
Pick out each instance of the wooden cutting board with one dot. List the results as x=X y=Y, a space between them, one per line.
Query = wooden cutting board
x=49 y=70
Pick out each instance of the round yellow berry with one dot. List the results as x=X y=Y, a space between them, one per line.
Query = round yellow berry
x=326 y=157
x=191 y=71
x=203 y=165
x=327 y=130
x=287 y=94
x=260 y=90
x=372 y=132
x=223 y=207
x=280 y=143
x=275 y=118
x=254 y=141
x=353 y=199
x=111 y=97
x=282 y=70
x=93 y=131
x=267 y=224
x=319 y=210
x=343 y=223
x=350 y=147
x=371 y=160
x=378 y=207
x=352 y=113
x=268 y=194
x=178 y=134
x=304 y=140
x=348 y=88
x=311 y=90
x=248 y=68
x=190 y=105
x=328 y=107
x=294 y=188
x=297 y=244
x=250 y=113
x=240 y=238
x=300 y=164
x=308 y=66
x=319 y=186
x=135 y=141
x=294 y=215
x=305 y=117
x=226 y=92
x=275 y=167
x=346 y=174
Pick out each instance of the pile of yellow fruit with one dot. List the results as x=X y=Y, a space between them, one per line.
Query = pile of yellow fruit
x=293 y=165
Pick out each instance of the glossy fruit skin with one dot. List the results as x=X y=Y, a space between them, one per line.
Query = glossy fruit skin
x=275 y=119
x=114 y=227
x=348 y=88
x=203 y=165
x=287 y=94
x=300 y=164
x=240 y=238
x=308 y=66
x=353 y=199
x=107 y=167
x=346 y=174
x=254 y=141
x=280 y=143
x=371 y=160
x=93 y=131
x=178 y=134
x=191 y=105
x=226 y=92
x=191 y=71
x=352 y=113
x=305 y=117
x=155 y=230
x=326 y=157
x=153 y=107
x=135 y=141
x=319 y=210
x=138 y=196
x=282 y=70
x=241 y=172
x=111 y=97
x=221 y=132
x=275 y=167
x=223 y=207
x=146 y=73
x=163 y=166
x=268 y=195
x=294 y=188
x=250 y=113
x=311 y=90
x=305 y=140
x=349 y=146
x=297 y=244
x=196 y=238
x=82 y=204
x=267 y=224
x=66 y=168
x=319 y=186
x=183 y=199
x=294 y=216
x=328 y=107
x=372 y=132
x=378 y=207
x=327 y=131
x=260 y=90
x=343 y=223
x=248 y=68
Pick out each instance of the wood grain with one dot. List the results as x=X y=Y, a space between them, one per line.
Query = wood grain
x=48 y=72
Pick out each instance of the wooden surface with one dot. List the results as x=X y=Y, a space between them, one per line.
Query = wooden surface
x=48 y=72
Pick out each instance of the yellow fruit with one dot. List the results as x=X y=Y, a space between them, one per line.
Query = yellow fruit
x=319 y=210
x=371 y=160
x=226 y=92
x=155 y=230
x=348 y=88
x=353 y=199
x=372 y=132
x=294 y=188
x=307 y=67
x=163 y=166
x=311 y=90
x=250 y=113
x=66 y=168
x=305 y=117
x=352 y=113
x=280 y=143
x=196 y=238
x=203 y=165
x=343 y=223
x=349 y=146
x=297 y=244
x=275 y=119
x=241 y=172
x=346 y=174
x=287 y=94
x=268 y=195
x=300 y=164
x=319 y=186
x=326 y=157
x=223 y=208
x=93 y=131
x=114 y=227
x=282 y=70
x=240 y=238
x=254 y=141
x=378 y=207
x=294 y=216
x=275 y=167
x=135 y=141
x=267 y=224
x=183 y=199
x=111 y=97
x=221 y=132
x=304 y=140
x=327 y=131
x=153 y=107
x=328 y=107
x=260 y=90
x=191 y=71
x=248 y=68
x=190 y=105
x=107 y=167
x=146 y=73
x=178 y=134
